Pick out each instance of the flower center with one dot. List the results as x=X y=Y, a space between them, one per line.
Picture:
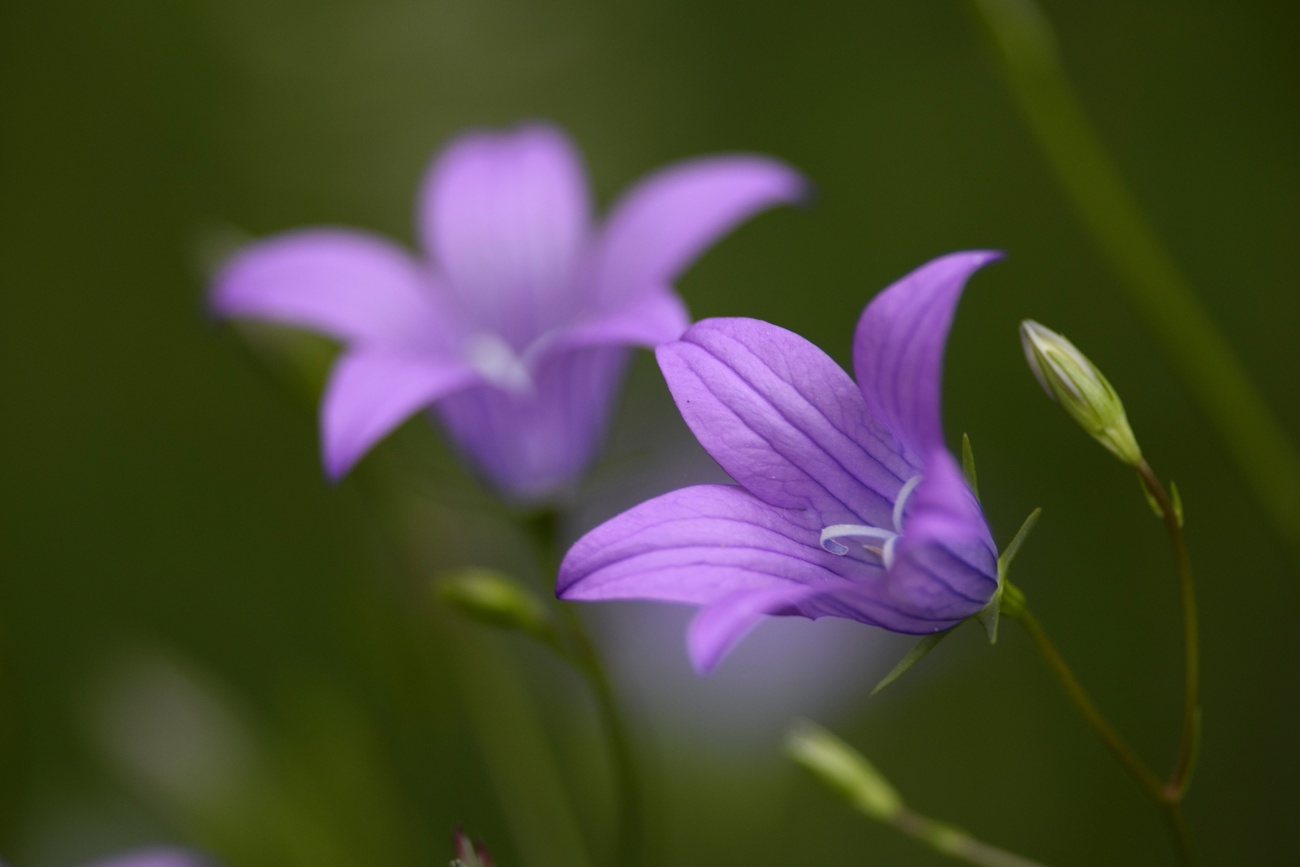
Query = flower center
x=840 y=539
x=498 y=363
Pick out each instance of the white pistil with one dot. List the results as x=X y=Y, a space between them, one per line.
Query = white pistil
x=831 y=536
x=887 y=555
x=904 y=494
x=884 y=541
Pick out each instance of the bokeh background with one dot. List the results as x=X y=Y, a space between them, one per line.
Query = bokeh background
x=202 y=642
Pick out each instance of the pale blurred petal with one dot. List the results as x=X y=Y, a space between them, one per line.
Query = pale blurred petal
x=355 y=287
x=667 y=220
x=505 y=219
x=371 y=392
x=533 y=441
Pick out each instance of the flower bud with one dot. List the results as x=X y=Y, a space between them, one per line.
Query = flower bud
x=844 y=770
x=1074 y=382
x=497 y=600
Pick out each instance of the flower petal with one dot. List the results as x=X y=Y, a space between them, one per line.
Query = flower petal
x=355 y=287
x=719 y=627
x=701 y=545
x=372 y=391
x=695 y=545
x=505 y=217
x=898 y=347
x=163 y=857
x=532 y=441
x=785 y=421
x=663 y=223
x=651 y=319
x=945 y=563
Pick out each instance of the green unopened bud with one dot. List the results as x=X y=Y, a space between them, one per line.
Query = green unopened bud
x=844 y=770
x=497 y=600
x=1074 y=382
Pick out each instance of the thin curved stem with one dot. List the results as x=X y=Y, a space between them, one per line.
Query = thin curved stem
x=1178 y=828
x=629 y=833
x=955 y=842
x=1171 y=513
x=1166 y=797
x=1151 y=784
x=580 y=652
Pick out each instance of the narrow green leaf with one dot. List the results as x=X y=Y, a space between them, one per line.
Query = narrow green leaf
x=1178 y=502
x=990 y=616
x=992 y=612
x=968 y=465
x=915 y=655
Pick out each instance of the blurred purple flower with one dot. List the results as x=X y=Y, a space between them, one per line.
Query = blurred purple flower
x=848 y=505
x=155 y=858
x=515 y=326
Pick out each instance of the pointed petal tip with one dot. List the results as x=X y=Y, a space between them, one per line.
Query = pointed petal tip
x=899 y=344
x=566 y=583
x=337 y=456
x=809 y=195
x=660 y=226
x=334 y=465
x=704 y=647
x=720 y=625
x=966 y=260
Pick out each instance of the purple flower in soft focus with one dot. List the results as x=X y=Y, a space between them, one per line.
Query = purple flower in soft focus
x=514 y=324
x=155 y=858
x=848 y=505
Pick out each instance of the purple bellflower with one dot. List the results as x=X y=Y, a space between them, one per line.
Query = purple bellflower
x=848 y=504
x=514 y=325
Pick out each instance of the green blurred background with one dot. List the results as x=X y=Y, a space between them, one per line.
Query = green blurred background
x=202 y=642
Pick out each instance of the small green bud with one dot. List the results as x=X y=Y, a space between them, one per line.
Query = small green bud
x=844 y=770
x=497 y=600
x=1074 y=382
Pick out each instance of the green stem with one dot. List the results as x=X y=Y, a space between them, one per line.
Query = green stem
x=1119 y=748
x=955 y=842
x=1163 y=796
x=1026 y=50
x=1178 y=828
x=580 y=652
x=519 y=759
x=1181 y=777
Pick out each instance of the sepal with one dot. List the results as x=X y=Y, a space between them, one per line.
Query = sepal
x=968 y=465
x=918 y=652
x=1006 y=593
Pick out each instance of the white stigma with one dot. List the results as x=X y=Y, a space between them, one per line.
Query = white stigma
x=831 y=536
x=904 y=493
x=876 y=540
